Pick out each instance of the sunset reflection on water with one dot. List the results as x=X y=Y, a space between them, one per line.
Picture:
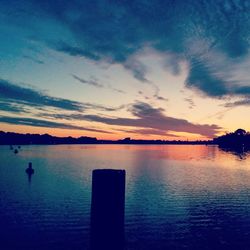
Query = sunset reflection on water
x=177 y=197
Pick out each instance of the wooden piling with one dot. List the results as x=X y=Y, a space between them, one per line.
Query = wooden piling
x=107 y=209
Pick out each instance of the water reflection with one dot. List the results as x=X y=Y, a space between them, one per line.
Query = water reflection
x=177 y=197
x=29 y=171
x=29 y=177
x=240 y=152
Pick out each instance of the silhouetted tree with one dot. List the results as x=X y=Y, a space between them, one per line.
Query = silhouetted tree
x=240 y=132
x=239 y=139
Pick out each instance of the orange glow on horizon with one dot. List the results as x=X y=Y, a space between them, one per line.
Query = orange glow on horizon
x=112 y=136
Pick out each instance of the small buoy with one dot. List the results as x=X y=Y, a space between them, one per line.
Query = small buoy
x=30 y=170
x=15 y=151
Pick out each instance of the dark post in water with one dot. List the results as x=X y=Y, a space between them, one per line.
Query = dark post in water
x=107 y=209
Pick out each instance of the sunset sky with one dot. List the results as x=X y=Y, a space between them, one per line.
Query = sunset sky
x=151 y=69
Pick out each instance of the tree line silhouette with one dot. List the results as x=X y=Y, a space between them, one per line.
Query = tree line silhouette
x=10 y=138
x=238 y=139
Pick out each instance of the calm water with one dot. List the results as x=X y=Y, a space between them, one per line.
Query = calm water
x=177 y=197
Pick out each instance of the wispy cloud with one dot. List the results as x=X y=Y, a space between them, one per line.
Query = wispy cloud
x=95 y=83
x=146 y=132
x=27 y=96
x=33 y=59
x=73 y=50
x=44 y=123
x=116 y=89
x=138 y=69
x=10 y=107
x=160 y=98
x=218 y=115
x=157 y=96
x=143 y=95
x=149 y=119
x=190 y=102
x=242 y=102
x=92 y=82
x=17 y=95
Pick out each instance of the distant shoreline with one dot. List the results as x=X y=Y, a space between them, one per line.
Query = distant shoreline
x=10 y=138
x=108 y=143
x=236 y=141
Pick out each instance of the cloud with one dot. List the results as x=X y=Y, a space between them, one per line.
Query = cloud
x=157 y=96
x=92 y=82
x=43 y=123
x=149 y=119
x=117 y=90
x=150 y=132
x=119 y=32
x=31 y=97
x=17 y=95
x=219 y=115
x=202 y=78
x=160 y=98
x=9 y=107
x=33 y=59
x=243 y=102
x=72 y=50
x=137 y=68
x=190 y=102
x=143 y=95
x=116 y=31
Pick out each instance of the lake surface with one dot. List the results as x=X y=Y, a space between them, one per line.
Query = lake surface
x=177 y=197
